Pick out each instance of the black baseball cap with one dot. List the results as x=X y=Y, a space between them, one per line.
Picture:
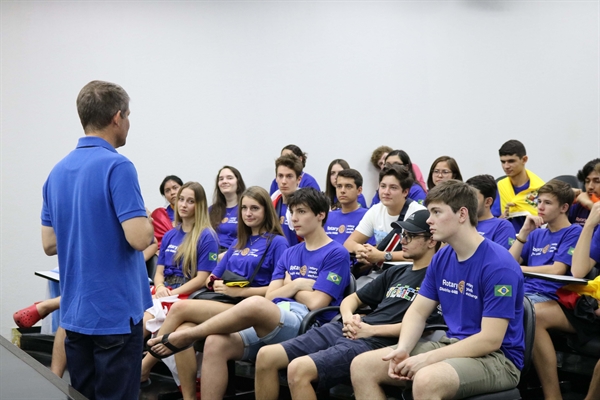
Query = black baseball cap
x=414 y=223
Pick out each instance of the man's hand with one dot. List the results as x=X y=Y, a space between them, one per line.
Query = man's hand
x=373 y=255
x=410 y=366
x=506 y=212
x=162 y=291
x=352 y=326
x=395 y=358
x=594 y=218
x=531 y=222
x=220 y=287
x=361 y=253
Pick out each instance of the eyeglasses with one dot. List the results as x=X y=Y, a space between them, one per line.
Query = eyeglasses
x=443 y=172
x=408 y=237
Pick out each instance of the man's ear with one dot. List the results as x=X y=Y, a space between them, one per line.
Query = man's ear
x=488 y=201
x=564 y=208
x=405 y=192
x=525 y=158
x=359 y=189
x=116 y=119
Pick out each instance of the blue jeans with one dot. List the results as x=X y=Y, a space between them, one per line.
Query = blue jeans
x=106 y=366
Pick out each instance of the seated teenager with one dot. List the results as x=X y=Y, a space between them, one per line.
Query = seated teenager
x=442 y=169
x=163 y=217
x=495 y=229
x=307 y=180
x=322 y=356
x=255 y=252
x=288 y=172
x=308 y=276
x=394 y=184
x=417 y=190
x=342 y=222
x=479 y=287
x=551 y=315
x=585 y=200
x=547 y=250
x=224 y=211
x=518 y=190
x=335 y=167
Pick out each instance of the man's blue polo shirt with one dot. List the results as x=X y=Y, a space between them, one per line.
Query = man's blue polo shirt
x=103 y=280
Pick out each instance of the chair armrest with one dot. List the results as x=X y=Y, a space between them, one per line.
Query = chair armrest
x=310 y=318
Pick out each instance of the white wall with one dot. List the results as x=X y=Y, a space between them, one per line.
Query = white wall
x=216 y=83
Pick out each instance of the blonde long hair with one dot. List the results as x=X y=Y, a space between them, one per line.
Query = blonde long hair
x=187 y=252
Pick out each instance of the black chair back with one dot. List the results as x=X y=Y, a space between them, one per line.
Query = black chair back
x=151 y=267
x=570 y=179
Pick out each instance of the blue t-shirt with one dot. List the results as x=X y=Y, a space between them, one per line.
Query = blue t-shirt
x=227 y=229
x=417 y=193
x=339 y=226
x=497 y=230
x=376 y=198
x=244 y=262
x=595 y=246
x=170 y=212
x=306 y=181
x=578 y=214
x=329 y=266
x=489 y=284
x=103 y=280
x=544 y=248
x=361 y=200
x=206 y=256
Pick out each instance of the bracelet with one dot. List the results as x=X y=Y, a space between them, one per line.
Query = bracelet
x=156 y=287
x=520 y=240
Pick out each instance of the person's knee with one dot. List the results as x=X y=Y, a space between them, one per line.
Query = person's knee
x=219 y=346
x=302 y=370
x=361 y=369
x=271 y=357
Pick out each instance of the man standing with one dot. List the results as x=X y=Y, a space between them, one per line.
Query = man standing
x=94 y=218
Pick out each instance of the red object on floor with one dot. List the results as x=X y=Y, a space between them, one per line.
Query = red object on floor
x=27 y=317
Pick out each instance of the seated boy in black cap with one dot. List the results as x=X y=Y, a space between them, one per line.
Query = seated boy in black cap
x=323 y=355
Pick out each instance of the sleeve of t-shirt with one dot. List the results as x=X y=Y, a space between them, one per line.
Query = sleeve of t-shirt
x=505 y=234
x=595 y=246
x=222 y=265
x=373 y=292
x=208 y=249
x=279 y=245
x=564 y=253
x=365 y=226
x=46 y=221
x=164 y=246
x=526 y=250
x=125 y=192
x=280 y=266
x=499 y=302
x=334 y=276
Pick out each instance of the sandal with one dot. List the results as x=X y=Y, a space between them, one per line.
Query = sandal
x=27 y=317
x=174 y=349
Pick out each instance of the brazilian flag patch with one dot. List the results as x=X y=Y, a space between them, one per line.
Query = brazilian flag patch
x=503 y=290
x=571 y=250
x=212 y=256
x=511 y=241
x=335 y=278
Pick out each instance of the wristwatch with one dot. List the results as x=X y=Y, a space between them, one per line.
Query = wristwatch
x=388 y=256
